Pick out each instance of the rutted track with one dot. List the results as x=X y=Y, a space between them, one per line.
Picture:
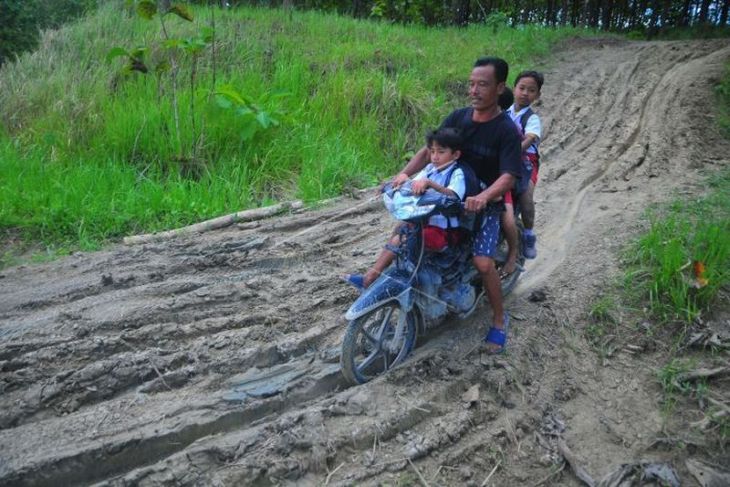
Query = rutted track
x=213 y=360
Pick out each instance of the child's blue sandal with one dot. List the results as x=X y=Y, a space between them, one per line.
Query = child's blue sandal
x=356 y=280
x=498 y=336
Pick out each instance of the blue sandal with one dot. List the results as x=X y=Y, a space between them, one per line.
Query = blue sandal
x=498 y=336
x=356 y=280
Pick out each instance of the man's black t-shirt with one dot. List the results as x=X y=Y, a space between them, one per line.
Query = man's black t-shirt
x=490 y=148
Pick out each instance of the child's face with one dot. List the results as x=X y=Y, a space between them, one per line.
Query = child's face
x=441 y=155
x=526 y=92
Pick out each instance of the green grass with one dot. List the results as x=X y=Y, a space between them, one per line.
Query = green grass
x=672 y=388
x=89 y=154
x=663 y=261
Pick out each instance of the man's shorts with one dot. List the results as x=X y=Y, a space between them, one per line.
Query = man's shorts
x=487 y=237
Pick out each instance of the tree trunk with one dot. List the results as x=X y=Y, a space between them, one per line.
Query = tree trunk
x=606 y=11
x=704 y=8
x=564 y=12
x=723 y=13
x=653 y=20
x=683 y=20
x=575 y=12
x=462 y=12
x=593 y=13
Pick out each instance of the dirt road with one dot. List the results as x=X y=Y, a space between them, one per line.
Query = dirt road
x=213 y=360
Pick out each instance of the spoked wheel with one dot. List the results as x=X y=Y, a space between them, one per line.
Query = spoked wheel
x=510 y=281
x=370 y=347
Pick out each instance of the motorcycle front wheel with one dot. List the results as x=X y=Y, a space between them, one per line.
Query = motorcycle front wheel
x=370 y=347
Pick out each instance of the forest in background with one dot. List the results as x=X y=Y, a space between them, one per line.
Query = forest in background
x=21 y=20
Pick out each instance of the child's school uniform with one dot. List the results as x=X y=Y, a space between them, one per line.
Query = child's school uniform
x=528 y=125
x=441 y=230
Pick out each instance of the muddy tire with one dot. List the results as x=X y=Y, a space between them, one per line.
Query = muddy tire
x=368 y=349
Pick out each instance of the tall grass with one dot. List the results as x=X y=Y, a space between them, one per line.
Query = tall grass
x=88 y=153
x=683 y=261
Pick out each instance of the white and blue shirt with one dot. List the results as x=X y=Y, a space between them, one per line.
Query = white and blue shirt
x=456 y=184
x=533 y=126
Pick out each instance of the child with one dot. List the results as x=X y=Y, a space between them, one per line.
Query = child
x=527 y=90
x=445 y=149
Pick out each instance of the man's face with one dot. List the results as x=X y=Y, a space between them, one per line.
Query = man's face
x=483 y=88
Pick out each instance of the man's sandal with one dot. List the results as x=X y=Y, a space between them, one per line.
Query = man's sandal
x=356 y=280
x=498 y=336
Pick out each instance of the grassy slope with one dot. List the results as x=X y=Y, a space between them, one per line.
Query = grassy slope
x=87 y=154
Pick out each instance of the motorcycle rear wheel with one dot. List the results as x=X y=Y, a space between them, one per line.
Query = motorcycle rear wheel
x=368 y=349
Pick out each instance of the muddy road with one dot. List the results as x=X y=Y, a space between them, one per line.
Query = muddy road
x=213 y=360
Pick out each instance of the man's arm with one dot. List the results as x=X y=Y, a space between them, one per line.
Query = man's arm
x=495 y=191
x=417 y=162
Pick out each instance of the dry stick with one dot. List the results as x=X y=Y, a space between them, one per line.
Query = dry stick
x=216 y=223
x=719 y=404
x=423 y=481
x=548 y=477
x=491 y=473
x=389 y=462
x=701 y=374
x=149 y=359
x=329 y=475
x=580 y=472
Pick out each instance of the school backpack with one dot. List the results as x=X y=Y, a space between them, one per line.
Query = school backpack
x=472 y=187
x=523 y=123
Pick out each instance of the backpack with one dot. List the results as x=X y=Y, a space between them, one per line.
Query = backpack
x=472 y=187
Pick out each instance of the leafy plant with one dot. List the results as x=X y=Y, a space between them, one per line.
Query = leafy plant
x=497 y=20
x=253 y=117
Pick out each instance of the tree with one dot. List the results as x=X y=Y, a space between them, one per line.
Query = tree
x=18 y=27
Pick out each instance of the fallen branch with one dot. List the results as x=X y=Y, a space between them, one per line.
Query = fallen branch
x=579 y=471
x=701 y=374
x=329 y=475
x=216 y=223
x=707 y=421
x=549 y=476
x=423 y=481
x=491 y=473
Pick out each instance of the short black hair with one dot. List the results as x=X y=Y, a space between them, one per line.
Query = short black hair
x=501 y=68
x=536 y=75
x=446 y=137
x=506 y=99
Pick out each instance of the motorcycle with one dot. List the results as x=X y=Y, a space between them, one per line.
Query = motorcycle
x=418 y=291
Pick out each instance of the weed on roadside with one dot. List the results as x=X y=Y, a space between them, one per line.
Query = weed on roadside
x=679 y=266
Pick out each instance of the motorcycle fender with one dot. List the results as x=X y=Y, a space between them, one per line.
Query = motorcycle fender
x=379 y=293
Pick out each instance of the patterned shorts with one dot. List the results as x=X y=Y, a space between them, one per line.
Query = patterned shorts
x=487 y=237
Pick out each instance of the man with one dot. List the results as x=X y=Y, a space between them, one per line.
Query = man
x=492 y=149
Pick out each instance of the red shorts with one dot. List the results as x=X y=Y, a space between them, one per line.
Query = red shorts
x=509 y=197
x=436 y=239
x=535 y=160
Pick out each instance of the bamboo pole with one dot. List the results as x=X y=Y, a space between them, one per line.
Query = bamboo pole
x=216 y=223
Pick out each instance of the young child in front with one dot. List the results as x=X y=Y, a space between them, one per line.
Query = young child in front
x=527 y=90
x=445 y=148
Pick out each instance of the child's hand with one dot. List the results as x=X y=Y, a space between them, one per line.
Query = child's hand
x=419 y=186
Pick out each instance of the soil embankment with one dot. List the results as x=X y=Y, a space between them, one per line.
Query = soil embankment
x=213 y=360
